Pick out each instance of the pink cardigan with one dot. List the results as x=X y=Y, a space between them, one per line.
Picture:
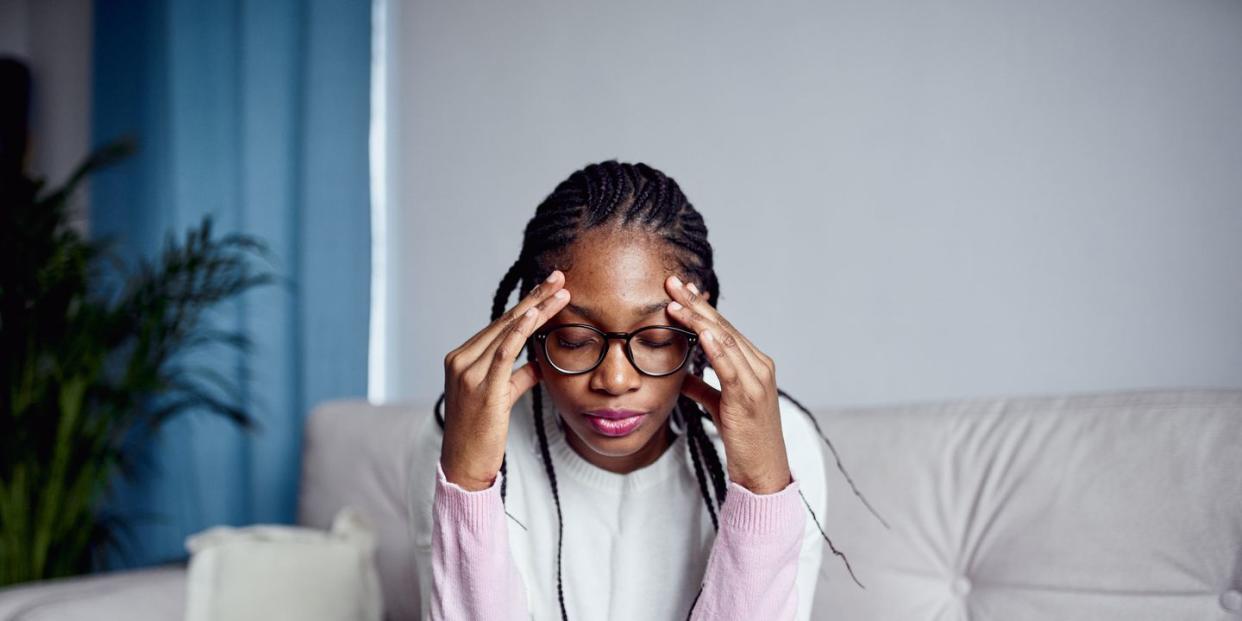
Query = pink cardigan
x=751 y=571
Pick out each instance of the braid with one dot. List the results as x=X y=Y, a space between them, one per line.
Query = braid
x=640 y=198
x=556 y=497
x=695 y=427
x=510 y=280
x=694 y=441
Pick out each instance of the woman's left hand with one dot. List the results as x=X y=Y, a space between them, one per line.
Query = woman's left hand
x=746 y=410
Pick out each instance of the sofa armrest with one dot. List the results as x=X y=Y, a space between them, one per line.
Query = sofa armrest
x=149 y=594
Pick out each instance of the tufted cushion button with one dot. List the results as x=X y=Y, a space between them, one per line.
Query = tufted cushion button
x=961 y=586
x=1231 y=600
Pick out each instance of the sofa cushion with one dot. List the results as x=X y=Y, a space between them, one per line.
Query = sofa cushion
x=1102 y=506
x=276 y=571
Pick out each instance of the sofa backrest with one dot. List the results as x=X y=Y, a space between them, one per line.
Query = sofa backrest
x=1124 y=505
x=356 y=454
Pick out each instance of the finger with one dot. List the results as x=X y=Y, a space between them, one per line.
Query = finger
x=729 y=362
x=547 y=308
x=730 y=367
x=694 y=304
x=728 y=349
x=518 y=330
x=539 y=293
x=523 y=380
x=705 y=394
x=699 y=302
x=503 y=352
x=473 y=347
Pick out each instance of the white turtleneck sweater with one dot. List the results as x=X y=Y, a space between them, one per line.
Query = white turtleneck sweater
x=635 y=545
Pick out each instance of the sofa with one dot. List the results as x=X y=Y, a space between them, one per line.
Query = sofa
x=1093 y=506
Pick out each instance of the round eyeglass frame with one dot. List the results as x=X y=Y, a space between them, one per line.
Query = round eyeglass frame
x=541 y=337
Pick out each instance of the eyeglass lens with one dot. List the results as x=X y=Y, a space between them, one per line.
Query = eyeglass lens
x=656 y=350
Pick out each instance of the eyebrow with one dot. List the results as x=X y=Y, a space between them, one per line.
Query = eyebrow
x=637 y=311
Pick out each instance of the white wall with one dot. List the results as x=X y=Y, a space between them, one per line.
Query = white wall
x=908 y=200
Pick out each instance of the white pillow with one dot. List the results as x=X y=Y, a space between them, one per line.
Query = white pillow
x=273 y=572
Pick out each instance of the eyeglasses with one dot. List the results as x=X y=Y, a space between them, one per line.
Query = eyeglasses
x=576 y=348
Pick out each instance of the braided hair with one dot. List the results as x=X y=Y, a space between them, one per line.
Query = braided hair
x=634 y=197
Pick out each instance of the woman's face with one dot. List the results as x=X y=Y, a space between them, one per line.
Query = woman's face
x=616 y=283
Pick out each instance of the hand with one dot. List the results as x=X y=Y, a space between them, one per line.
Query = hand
x=480 y=386
x=746 y=410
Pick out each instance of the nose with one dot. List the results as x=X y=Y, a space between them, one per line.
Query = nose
x=615 y=374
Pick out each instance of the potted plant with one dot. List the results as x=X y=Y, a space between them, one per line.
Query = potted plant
x=93 y=351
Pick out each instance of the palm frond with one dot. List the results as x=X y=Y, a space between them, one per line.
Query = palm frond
x=96 y=352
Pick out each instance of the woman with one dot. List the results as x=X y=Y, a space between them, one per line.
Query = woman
x=617 y=315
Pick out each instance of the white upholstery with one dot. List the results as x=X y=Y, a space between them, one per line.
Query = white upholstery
x=355 y=454
x=277 y=571
x=153 y=593
x=1094 y=507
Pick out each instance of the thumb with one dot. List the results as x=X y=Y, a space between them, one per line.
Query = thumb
x=523 y=380
x=694 y=387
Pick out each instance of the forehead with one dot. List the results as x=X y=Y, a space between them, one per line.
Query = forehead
x=607 y=262
x=614 y=273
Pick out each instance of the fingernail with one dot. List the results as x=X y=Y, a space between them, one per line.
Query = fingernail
x=676 y=281
x=562 y=294
x=674 y=305
x=693 y=288
x=552 y=276
x=707 y=336
x=530 y=312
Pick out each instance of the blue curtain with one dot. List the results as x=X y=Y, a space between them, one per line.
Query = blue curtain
x=257 y=112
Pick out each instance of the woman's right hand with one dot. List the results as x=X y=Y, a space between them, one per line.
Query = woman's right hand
x=480 y=386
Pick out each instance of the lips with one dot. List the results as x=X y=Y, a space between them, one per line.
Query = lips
x=614 y=423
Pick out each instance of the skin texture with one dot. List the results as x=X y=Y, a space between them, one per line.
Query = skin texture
x=611 y=272
x=613 y=275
